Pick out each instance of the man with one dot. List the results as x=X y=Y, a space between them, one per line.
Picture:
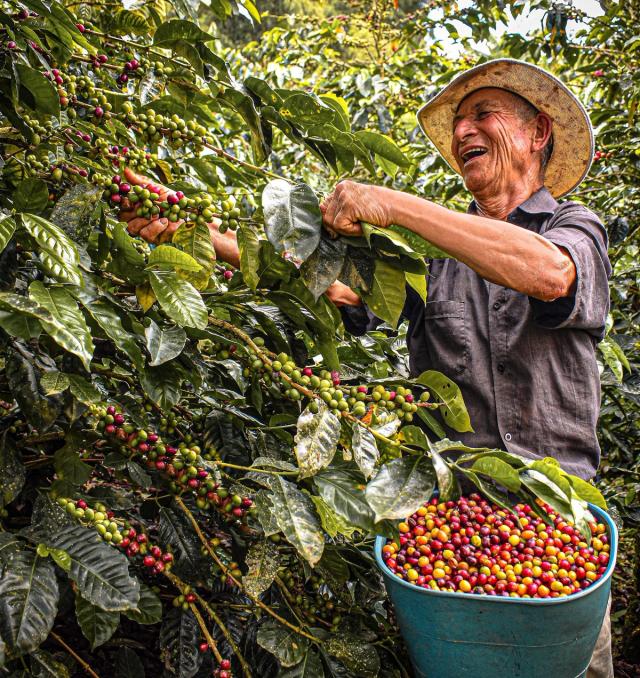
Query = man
x=515 y=315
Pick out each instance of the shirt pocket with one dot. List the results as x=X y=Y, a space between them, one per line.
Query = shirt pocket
x=446 y=334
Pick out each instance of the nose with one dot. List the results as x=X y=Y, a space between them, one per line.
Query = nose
x=464 y=128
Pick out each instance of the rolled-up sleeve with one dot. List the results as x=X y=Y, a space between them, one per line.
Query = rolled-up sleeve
x=579 y=231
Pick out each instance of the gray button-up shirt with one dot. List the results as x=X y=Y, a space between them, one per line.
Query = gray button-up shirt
x=526 y=368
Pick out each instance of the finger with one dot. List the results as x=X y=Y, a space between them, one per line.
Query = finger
x=331 y=208
x=136 y=225
x=127 y=214
x=135 y=178
x=167 y=234
x=151 y=232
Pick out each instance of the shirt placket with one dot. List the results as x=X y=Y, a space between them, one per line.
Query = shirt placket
x=500 y=363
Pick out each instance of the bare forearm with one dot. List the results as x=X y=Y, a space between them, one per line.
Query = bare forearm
x=498 y=251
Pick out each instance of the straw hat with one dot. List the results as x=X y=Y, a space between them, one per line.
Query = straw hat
x=573 y=145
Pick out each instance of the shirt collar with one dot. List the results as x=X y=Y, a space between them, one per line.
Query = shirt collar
x=540 y=202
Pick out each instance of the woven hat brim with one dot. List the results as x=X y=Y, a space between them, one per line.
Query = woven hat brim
x=573 y=144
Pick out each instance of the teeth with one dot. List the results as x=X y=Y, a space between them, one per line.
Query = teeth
x=468 y=153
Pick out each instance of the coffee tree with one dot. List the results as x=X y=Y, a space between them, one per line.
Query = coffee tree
x=195 y=459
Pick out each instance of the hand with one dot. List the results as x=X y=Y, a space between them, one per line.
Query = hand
x=155 y=229
x=342 y=295
x=350 y=203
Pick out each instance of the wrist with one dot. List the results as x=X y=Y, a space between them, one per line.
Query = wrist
x=386 y=199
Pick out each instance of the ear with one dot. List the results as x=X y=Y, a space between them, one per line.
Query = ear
x=542 y=129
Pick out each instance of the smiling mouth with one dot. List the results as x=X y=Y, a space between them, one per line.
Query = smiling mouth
x=472 y=153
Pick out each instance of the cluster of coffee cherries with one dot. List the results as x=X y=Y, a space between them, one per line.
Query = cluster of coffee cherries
x=232 y=567
x=186 y=598
x=473 y=546
x=155 y=128
x=312 y=599
x=181 y=465
x=133 y=543
x=224 y=668
x=602 y=155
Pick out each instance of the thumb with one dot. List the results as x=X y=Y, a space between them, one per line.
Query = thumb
x=134 y=178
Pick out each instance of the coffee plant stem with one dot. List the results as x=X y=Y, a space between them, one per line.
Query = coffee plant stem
x=43 y=438
x=75 y=655
x=205 y=632
x=257 y=470
x=228 y=574
x=305 y=391
x=226 y=633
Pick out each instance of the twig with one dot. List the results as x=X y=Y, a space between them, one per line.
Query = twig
x=75 y=655
x=228 y=574
x=226 y=633
x=205 y=632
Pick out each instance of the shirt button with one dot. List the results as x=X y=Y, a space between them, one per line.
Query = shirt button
x=507 y=437
x=500 y=368
x=497 y=305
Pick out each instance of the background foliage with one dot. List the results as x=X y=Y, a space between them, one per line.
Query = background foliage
x=284 y=581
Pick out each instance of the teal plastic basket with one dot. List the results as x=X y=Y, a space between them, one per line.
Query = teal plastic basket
x=452 y=635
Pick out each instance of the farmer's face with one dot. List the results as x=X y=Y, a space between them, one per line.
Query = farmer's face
x=488 y=121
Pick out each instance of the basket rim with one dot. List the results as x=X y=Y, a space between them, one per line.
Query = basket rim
x=606 y=576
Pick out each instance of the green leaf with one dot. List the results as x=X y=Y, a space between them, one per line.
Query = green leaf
x=452 y=407
x=309 y=667
x=418 y=282
x=307 y=109
x=401 y=487
x=97 y=625
x=72 y=212
x=45 y=96
x=316 y=439
x=343 y=491
x=28 y=601
x=323 y=267
x=179 y=299
x=57 y=252
x=165 y=343
x=296 y=517
x=448 y=488
x=43 y=665
x=7 y=229
x=22 y=379
x=499 y=471
x=393 y=247
x=68 y=327
x=387 y=296
x=332 y=523
x=544 y=488
x=249 y=246
x=286 y=645
x=162 y=384
x=12 y=471
x=171 y=31
x=68 y=465
x=177 y=532
x=84 y=390
x=32 y=195
x=149 y=610
x=414 y=435
x=292 y=218
x=110 y=321
x=100 y=572
x=263 y=563
x=179 y=639
x=171 y=257
x=128 y=664
x=195 y=240
x=365 y=450
x=54 y=382
x=587 y=492
x=383 y=146
x=360 y=658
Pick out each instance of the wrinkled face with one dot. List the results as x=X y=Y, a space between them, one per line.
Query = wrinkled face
x=491 y=143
